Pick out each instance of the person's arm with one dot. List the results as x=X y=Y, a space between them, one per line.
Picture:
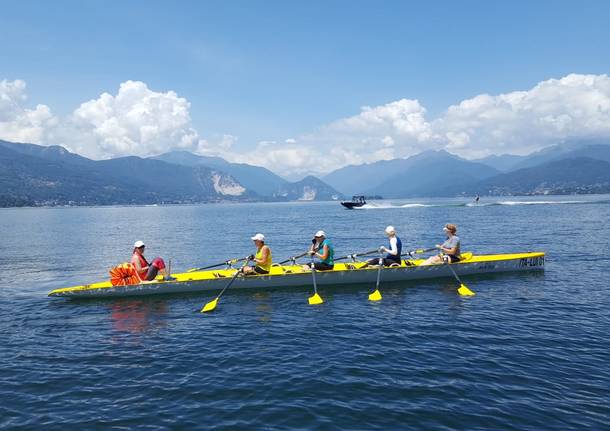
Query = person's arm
x=136 y=264
x=394 y=244
x=450 y=250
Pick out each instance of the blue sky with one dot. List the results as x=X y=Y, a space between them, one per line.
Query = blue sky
x=270 y=71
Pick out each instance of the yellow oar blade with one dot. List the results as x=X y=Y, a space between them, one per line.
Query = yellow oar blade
x=209 y=306
x=464 y=290
x=375 y=296
x=315 y=299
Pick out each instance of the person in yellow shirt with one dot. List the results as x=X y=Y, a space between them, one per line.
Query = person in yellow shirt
x=262 y=259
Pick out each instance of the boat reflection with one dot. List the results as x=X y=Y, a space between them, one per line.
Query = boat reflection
x=138 y=316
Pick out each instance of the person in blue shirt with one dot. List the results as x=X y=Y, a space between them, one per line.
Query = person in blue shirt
x=321 y=248
x=392 y=251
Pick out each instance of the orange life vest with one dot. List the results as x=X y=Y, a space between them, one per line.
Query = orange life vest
x=143 y=264
x=123 y=275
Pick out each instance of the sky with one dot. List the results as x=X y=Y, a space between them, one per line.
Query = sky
x=303 y=87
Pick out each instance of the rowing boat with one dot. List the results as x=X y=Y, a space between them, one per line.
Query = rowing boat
x=294 y=276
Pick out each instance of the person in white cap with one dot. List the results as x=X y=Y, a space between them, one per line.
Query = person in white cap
x=393 y=251
x=146 y=271
x=262 y=259
x=321 y=248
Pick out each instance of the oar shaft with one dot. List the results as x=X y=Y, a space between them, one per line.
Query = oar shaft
x=233 y=278
x=313 y=275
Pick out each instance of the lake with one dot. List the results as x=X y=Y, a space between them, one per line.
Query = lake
x=530 y=351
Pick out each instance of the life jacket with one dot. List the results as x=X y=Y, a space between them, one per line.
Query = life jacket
x=123 y=275
x=143 y=263
x=266 y=265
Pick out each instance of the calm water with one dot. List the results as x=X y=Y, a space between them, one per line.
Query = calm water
x=528 y=352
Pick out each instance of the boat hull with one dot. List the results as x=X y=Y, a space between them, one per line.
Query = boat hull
x=293 y=276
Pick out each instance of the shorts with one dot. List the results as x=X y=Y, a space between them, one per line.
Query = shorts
x=386 y=261
x=452 y=258
x=321 y=266
x=260 y=270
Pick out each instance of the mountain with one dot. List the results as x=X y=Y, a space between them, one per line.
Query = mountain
x=255 y=178
x=598 y=149
x=308 y=189
x=433 y=173
x=503 y=163
x=426 y=174
x=34 y=174
x=356 y=179
x=565 y=176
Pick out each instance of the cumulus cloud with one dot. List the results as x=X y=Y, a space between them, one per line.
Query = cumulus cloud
x=18 y=123
x=520 y=122
x=140 y=121
x=136 y=121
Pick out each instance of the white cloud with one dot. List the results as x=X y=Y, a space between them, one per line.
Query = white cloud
x=520 y=122
x=576 y=106
x=18 y=123
x=136 y=121
x=140 y=121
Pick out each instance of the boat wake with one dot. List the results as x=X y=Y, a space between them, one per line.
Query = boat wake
x=389 y=205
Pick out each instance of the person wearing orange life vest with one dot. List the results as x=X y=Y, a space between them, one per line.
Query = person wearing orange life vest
x=146 y=271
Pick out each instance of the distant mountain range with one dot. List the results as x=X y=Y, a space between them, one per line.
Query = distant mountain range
x=39 y=175
x=573 y=167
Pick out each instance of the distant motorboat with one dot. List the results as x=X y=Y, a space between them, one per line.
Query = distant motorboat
x=356 y=202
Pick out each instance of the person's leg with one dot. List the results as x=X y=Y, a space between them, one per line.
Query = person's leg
x=321 y=266
x=152 y=273
x=373 y=261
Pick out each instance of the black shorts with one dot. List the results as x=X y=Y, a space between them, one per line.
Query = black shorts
x=452 y=258
x=260 y=270
x=386 y=261
x=321 y=266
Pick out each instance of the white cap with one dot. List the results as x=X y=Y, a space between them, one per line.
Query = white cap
x=258 y=237
x=390 y=230
x=320 y=233
x=138 y=244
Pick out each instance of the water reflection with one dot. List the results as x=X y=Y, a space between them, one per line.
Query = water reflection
x=138 y=316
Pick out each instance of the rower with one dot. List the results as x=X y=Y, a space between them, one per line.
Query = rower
x=321 y=248
x=146 y=271
x=393 y=253
x=449 y=250
x=262 y=258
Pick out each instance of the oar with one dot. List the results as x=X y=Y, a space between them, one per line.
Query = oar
x=376 y=295
x=212 y=304
x=463 y=289
x=315 y=299
x=418 y=251
x=226 y=262
x=293 y=259
x=353 y=256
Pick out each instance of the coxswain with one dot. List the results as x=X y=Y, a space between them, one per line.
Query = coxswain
x=146 y=271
